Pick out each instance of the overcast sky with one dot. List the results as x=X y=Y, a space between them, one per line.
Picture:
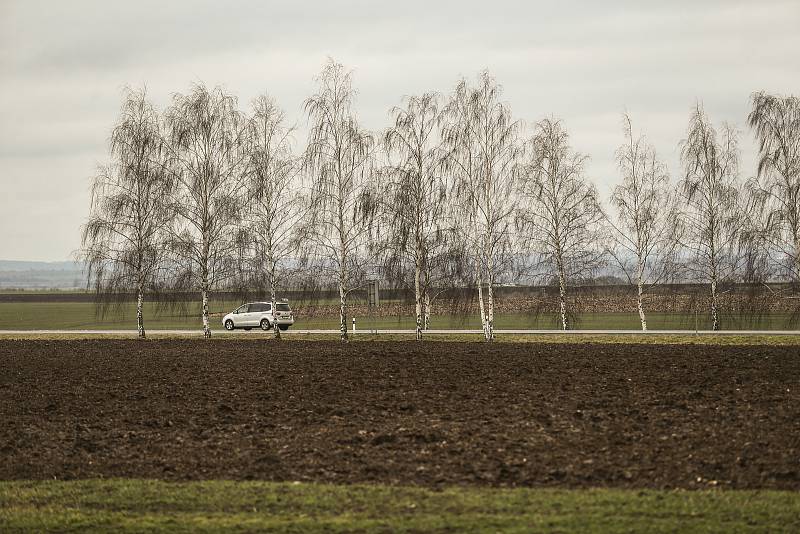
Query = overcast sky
x=63 y=66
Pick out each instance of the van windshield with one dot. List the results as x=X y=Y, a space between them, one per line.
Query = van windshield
x=282 y=307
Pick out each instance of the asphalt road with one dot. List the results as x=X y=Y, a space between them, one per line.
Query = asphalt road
x=297 y=332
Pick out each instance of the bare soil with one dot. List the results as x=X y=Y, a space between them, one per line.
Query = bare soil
x=428 y=414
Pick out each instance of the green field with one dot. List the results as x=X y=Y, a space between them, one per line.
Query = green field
x=127 y=505
x=86 y=315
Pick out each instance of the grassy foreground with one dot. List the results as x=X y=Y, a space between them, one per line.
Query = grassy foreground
x=150 y=505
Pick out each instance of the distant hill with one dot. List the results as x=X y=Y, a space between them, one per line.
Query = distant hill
x=41 y=275
x=14 y=265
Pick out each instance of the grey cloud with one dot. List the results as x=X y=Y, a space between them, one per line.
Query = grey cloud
x=63 y=65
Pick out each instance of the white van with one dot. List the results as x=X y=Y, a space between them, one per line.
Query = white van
x=260 y=314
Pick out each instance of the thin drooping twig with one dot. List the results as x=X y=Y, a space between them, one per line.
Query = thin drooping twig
x=123 y=241
x=205 y=138
x=275 y=202
x=416 y=201
x=775 y=190
x=481 y=139
x=644 y=242
x=710 y=196
x=337 y=230
x=559 y=211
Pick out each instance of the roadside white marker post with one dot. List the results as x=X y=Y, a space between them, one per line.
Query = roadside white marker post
x=354 y=325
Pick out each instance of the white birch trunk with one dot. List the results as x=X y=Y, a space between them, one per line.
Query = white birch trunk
x=206 y=327
x=714 y=314
x=204 y=285
x=139 y=314
x=713 y=264
x=418 y=298
x=480 y=302
x=342 y=268
x=275 y=328
x=490 y=303
x=342 y=311
x=562 y=298
x=639 y=304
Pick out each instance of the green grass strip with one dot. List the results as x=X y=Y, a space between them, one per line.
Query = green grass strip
x=87 y=316
x=646 y=339
x=130 y=505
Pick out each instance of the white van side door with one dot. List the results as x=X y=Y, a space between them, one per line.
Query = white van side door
x=251 y=318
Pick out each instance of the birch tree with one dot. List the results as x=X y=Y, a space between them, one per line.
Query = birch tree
x=206 y=140
x=417 y=197
x=275 y=199
x=482 y=142
x=343 y=199
x=711 y=215
x=644 y=228
x=559 y=214
x=122 y=242
x=775 y=120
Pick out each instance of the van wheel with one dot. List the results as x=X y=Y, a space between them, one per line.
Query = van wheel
x=265 y=324
x=228 y=325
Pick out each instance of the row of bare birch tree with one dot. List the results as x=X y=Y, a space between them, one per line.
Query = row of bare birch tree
x=203 y=195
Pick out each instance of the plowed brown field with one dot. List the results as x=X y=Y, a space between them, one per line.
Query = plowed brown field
x=406 y=413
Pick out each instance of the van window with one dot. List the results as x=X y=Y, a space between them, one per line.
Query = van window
x=282 y=307
x=254 y=308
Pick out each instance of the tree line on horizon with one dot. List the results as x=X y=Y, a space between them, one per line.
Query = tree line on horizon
x=203 y=195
